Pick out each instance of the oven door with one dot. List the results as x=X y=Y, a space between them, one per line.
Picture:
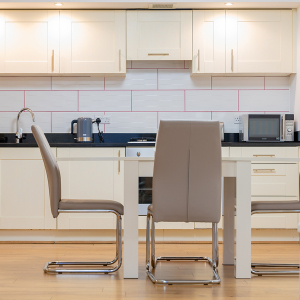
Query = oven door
x=145 y=194
x=265 y=128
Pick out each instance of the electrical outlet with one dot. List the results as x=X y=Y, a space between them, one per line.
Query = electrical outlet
x=237 y=120
x=104 y=119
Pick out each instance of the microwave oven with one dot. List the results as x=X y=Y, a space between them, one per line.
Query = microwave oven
x=266 y=128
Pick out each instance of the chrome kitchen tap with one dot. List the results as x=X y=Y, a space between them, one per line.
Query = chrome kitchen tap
x=19 y=134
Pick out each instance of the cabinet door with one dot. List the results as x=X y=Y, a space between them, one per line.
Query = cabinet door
x=29 y=41
x=92 y=41
x=24 y=199
x=90 y=180
x=159 y=35
x=208 y=41
x=259 y=41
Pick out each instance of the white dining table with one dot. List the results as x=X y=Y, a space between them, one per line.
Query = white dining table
x=237 y=200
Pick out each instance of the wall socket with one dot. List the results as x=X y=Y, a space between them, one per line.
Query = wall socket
x=104 y=119
x=237 y=120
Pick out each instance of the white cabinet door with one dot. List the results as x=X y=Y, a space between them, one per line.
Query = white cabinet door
x=92 y=41
x=159 y=35
x=24 y=201
x=29 y=41
x=259 y=41
x=208 y=41
x=94 y=180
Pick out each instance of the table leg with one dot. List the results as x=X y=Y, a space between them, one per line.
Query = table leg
x=243 y=220
x=228 y=228
x=130 y=258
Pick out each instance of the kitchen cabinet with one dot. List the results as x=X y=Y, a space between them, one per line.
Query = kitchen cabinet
x=93 y=41
x=259 y=41
x=29 y=41
x=94 y=180
x=208 y=41
x=272 y=182
x=24 y=202
x=159 y=35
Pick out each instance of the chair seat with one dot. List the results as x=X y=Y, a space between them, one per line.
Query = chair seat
x=275 y=205
x=91 y=204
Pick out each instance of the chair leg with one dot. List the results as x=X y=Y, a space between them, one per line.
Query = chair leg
x=213 y=262
x=267 y=269
x=55 y=267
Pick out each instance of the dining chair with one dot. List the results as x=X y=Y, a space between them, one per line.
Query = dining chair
x=272 y=207
x=186 y=187
x=59 y=205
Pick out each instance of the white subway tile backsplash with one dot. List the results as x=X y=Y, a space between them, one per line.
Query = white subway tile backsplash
x=8 y=121
x=78 y=83
x=11 y=100
x=212 y=100
x=51 y=100
x=105 y=100
x=277 y=83
x=139 y=79
x=25 y=83
x=228 y=119
x=267 y=100
x=225 y=83
x=158 y=100
x=132 y=122
x=160 y=64
x=174 y=79
x=61 y=121
x=186 y=116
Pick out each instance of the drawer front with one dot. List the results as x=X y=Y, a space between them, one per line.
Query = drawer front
x=270 y=152
x=140 y=152
x=268 y=170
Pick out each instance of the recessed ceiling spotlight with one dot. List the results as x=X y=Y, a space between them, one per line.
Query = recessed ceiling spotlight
x=58 y=4
x=228 y=4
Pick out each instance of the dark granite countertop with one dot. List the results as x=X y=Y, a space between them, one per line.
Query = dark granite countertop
x=121 y=140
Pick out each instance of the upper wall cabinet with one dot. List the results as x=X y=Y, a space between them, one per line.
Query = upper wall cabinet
x=29 y=41
x=259 y=41
x=159 y=35
x=208 y=41
x=92 y=41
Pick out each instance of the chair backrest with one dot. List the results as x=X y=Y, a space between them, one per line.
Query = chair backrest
x=187 y=172
x=51 y=166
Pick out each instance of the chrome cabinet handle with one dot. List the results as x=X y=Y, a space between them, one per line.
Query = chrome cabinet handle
x=138 y=154
x=52 y=60
x=158 y=54
x=268 y=155
x=120 y=60
x=231 y=60
x=119 y=163
x=264 y=170
x=198 y=60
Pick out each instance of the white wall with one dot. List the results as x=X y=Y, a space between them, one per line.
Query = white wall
x=151 y=91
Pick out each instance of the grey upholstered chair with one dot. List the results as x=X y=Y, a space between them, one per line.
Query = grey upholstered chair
x=268 y=207
x=59 y=205
x=186 y=186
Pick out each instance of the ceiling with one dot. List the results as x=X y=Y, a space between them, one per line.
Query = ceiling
x=140 y=4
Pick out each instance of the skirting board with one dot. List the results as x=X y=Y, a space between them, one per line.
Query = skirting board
x=162 y=235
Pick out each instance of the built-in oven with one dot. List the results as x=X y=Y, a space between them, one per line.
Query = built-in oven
x=145 y=183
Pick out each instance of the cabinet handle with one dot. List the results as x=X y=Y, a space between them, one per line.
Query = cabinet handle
x=52 y=60
x=198 y=60
x=120 y=60
x=138 y=154
x=263 y=170
x=268 y=155
x=231 y=60
x=158 y=54
x=119 y=163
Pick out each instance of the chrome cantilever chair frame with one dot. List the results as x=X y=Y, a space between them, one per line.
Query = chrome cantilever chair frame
x=54 y=267
x=213 y=262
x=277 y=266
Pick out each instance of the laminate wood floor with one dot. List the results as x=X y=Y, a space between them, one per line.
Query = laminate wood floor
x=22 y=277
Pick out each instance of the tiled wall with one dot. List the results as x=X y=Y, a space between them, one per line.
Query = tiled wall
x=151 y=91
